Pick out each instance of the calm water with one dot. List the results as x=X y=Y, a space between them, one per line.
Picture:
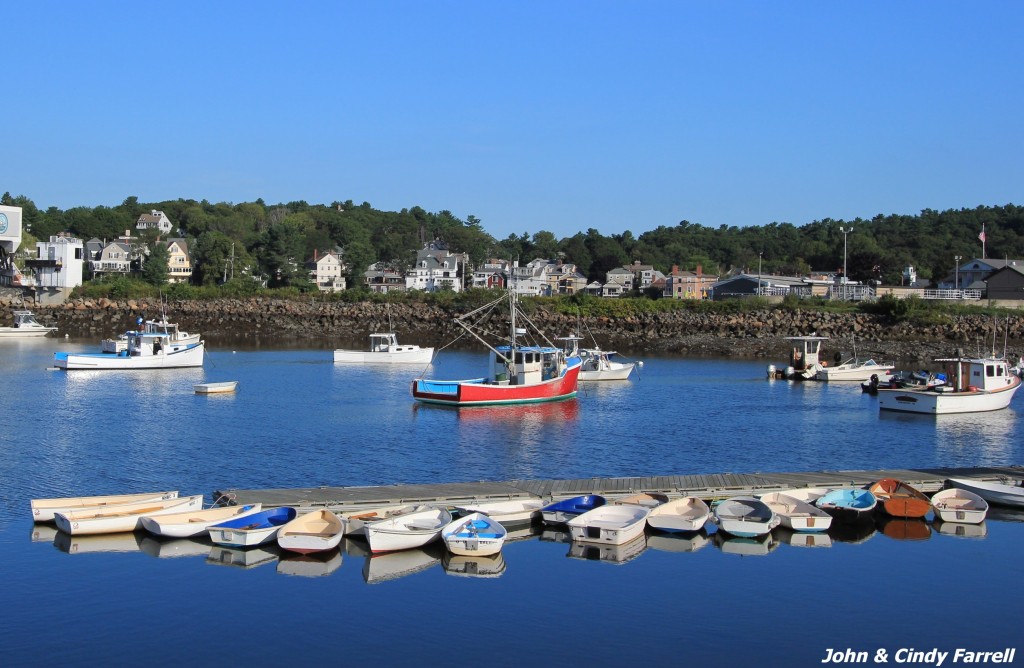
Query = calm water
x=299 y=420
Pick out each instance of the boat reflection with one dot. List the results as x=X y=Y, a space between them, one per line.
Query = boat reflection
x=44 y=533
x=522 y=531
x=393 y=565
x=960 y=529
x=899 y=528
x=1005 y=514
x=474 y=567
x=309 y=565
x=610 y=554
x=802 y=538
x=678 y=542
x=552 y=535
x=175 y=547
x=745 y=547
x=104 y=542
x=239 y=558
x=521 y=415
x=855 y=532
x=356 y=546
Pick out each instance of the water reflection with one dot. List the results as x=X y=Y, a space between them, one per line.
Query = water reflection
x=899 y=528
x=175 y=547
x=610 y=554
x=678 y=542
x=43 y=533
x=239 y=558
x=379 y=568
x=310 y=565
x=961 y=530
x=802 y=538
x=745 y=547
x=851 y=532
x=529 y=416
x=474 y=567
x=108 y=542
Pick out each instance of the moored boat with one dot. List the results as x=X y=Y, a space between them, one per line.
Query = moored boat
x=510 y=512
x=688 y=514
x=993 y=492
x=848 y=505
x=355 y=520
x=225 y=387
x=127 y=517
x=612 y=524
x=853 y=370
x=405 y=532
x=161 y=327
x=797 y=515
x=959 y=505
x=316 y=531
x=899 y=499
x=744 y=516
x=143 y=351
x=977 y=385
x=518 y=374
x=474 y=534
x=645 y=499
x=598 y=364
x=803 y=359
x=43 y=510
x=196 y=522
x=252 y=530
x=385 y=349
x=560 y=512
x=25 y=325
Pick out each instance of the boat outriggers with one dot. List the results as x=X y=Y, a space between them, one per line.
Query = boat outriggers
x=518 y=374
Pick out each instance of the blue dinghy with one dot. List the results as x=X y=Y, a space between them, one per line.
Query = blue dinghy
x=561 y=512
x=251 y=530
x=849 y=505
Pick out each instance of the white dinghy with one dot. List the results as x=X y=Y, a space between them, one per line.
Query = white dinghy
x=43 y=510
x=795 y=514
x=612 y=524
x=115 y=519
x=959 y=505
x=196 y=522
x=688 y=514
x=406 y=531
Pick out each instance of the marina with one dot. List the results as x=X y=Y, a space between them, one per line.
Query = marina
x=351 y=435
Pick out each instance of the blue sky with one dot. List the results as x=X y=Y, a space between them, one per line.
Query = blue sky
x=558 y=116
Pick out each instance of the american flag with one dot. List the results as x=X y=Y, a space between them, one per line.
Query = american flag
x=982 y=235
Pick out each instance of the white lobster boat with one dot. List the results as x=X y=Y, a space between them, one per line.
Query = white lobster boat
x=116 y=519
x=144 y=351
x=385 y=349
x=978 y=385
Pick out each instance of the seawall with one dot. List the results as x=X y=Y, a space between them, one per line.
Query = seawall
x=262 y=321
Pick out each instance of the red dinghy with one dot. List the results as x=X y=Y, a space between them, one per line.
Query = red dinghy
x=899 y=499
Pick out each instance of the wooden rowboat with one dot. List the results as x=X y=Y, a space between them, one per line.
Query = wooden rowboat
x=899 y=499
x=127 y=517
x=318 y=531
x=196 y=522
x=43 y=510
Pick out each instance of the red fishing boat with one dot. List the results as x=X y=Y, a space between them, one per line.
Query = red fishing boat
x=517 y=374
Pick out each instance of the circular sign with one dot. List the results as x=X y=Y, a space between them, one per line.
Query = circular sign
x=3 y=223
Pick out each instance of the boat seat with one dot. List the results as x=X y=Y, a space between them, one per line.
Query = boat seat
x=322 y=534
x=421 y=526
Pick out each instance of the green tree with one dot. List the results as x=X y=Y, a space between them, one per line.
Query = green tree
x=154 y=270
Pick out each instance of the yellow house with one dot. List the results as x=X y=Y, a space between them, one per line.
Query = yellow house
x=179 y=265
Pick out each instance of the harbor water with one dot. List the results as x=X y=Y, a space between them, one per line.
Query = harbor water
x=299 y=420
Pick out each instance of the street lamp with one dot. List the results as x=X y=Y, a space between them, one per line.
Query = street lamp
x=845 y=231
x=956 y=281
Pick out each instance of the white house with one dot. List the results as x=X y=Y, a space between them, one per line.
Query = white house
x=154 y=220
x=327 y=271
x=59 y=262
x=436 y=268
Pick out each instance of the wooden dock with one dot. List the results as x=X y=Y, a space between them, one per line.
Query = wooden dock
x=708 y=487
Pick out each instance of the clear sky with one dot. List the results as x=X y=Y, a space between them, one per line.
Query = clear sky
x=557 y=115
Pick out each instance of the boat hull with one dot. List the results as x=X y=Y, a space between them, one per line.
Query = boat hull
x=44 y=510
x=417 y=356
x=518 y=511
x=474 y=535
x=560 y=512
x=407 y=531
x=943 y=401
x=619 y=372
x=685 y=515
x=256 y=529
x=118 y=520
x=318 y=531
x=186 y=525
x=186 y=356
x=478 y=392
x=959 y=505
x=226 y=387
x=609 y=524
x=996 y=493
x=745 y=517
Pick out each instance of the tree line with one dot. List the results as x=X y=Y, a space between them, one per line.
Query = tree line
x=274 y=241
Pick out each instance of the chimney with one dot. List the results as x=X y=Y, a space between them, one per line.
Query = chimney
x=675 y=270
x=700 y=271
x=315 y=255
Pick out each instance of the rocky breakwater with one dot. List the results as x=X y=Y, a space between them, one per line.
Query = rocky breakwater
x=341 y=324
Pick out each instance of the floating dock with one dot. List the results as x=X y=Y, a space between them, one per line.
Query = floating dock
x=708 y=487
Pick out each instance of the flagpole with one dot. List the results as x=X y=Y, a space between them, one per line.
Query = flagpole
x=982 y=237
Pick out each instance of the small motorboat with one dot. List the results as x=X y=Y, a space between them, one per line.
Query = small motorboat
x=127 y=517
x=25 y=325
x=385 y=349
x=899 y=499
x=995 y=493
x=252 y=530
x=474 y=534
x=408 y=531
x=562 y=511
x=226 y=387
x=959 y=505
x=316 y=531
x=688 y=514
x=196 y=522
x=797 y=515
x=849 y=505
x=744 y=516
x=43 y=510
x=611 y=524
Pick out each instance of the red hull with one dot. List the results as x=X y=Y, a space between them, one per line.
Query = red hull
x=479 y=393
